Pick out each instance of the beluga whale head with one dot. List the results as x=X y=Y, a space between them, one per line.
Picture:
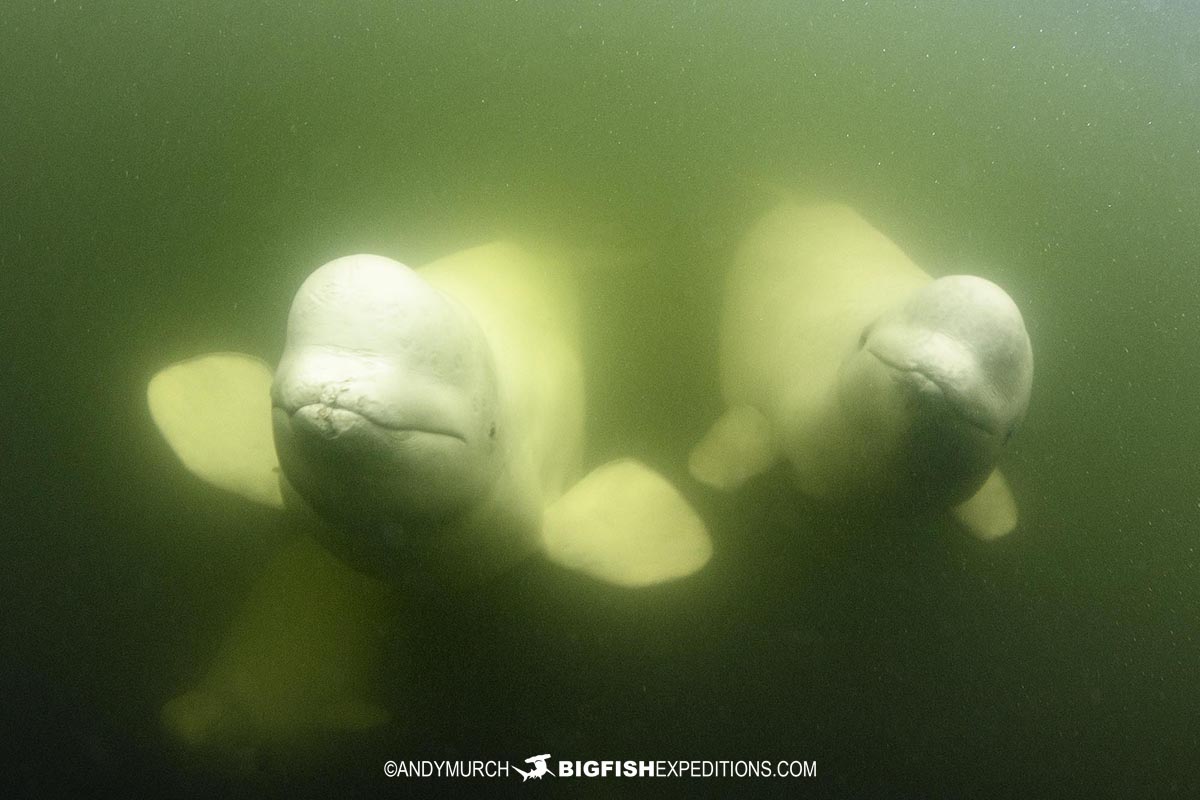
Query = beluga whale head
x=384 y=402
x=942 y=379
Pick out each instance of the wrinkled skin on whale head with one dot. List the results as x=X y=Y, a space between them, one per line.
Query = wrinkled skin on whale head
x=384 y=401
x=943 y=379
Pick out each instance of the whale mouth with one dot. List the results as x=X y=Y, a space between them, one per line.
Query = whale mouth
x=332 y=421
x=935 y=389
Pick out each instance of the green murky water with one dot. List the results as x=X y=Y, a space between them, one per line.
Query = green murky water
x=170 y=172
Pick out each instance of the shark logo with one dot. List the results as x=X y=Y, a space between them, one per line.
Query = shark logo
x=539 y=767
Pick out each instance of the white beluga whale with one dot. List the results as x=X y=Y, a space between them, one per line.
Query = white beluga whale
x=428 y=427
x=878 y=384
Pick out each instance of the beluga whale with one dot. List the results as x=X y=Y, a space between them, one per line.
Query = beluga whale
x=427 y=426
x=880 y=386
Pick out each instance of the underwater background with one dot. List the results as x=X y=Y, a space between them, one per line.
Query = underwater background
x=170 y=172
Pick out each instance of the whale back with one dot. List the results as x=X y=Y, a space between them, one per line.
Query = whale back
x=524 y=303
x=804 y=284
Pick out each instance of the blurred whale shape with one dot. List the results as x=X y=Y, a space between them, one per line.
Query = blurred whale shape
x=878 y=384
x=299 y=661
x=427 y=425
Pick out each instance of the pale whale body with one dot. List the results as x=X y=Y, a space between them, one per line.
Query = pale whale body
x=879 y=385
x=427 y=426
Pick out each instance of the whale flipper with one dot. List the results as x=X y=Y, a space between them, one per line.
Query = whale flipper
x=214 y=410
x=991 y=512
x=736 y=448
x=626 y=525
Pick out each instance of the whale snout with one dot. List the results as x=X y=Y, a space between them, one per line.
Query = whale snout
x=331 y=421
x=945 y=379
x=326 y=421
x=328 y=397
x=960 y=346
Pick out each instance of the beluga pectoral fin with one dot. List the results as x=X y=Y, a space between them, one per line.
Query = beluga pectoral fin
x=214 y=411
x=739 y=446
x=626 y=525
x=991 y=512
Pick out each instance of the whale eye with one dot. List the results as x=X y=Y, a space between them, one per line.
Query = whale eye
x=492 y=431
x=1010 y=433
x=862 y=337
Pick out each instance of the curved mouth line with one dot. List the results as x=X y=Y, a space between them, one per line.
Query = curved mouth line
x=889 y=362
x=394 y=427
x=952 y=401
